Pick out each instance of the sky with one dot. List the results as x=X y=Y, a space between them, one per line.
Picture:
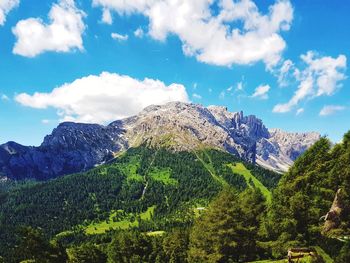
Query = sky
x=95 y=61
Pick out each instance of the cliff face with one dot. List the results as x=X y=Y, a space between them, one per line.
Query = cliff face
x=74 y=147
x=280 y=149
x=70 y=148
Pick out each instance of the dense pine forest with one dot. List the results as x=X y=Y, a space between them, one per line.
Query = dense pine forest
x=154 y=205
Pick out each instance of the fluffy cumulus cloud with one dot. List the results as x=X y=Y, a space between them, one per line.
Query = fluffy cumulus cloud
x=331 y=109
x=320 y=77
x=261 y=92
x=214 y=37
x=5 y=7
x=62 y=34
x=104 y=98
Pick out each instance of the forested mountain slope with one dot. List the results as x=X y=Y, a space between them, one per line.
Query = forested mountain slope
x=156 y=205
x=151 y=189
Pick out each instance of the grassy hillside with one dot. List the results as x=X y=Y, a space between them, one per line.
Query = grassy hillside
x=251 y=180
x=153 y=205
x=113 y=222
x=150 y=189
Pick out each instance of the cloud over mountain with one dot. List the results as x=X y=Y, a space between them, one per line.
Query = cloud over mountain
x=104 y=98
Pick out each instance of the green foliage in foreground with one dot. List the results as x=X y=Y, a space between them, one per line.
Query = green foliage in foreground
x=306 y=193
x=228 y=231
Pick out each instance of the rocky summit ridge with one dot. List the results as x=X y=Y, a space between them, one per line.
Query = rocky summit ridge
x=74 y=147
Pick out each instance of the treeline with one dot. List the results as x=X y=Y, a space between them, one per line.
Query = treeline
x=226 y=232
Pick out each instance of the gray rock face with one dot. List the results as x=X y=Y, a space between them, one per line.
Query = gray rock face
x=280 y=149
x=75 y=147
x=70 y=148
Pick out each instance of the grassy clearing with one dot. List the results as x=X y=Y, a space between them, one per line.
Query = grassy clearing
x=239 y=168
x=130 y=169
x=128 y=222
x=162 y=175
x=209 y=166
x=64 y=234
x=198 y=211
x=155 y=233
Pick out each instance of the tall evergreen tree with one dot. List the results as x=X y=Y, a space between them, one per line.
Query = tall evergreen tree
x=175 y=246
x=87 y=253
x=227 y=231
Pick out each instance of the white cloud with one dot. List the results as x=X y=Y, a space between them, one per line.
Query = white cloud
x=261 y=92
x=240 y=86
x=4 y=97
x=62 y=34
x=222 y=95
x=45 y=121
x=104 y=98
x=215 y=39
x=139 y=32
x=196 y=96
x=320 y=77
x=5 y=7
x=124 y=6
x=299 y=111
x=119 y=37
x=107 y=17
x=331 y=109
x=325 y=72
x=286 y=73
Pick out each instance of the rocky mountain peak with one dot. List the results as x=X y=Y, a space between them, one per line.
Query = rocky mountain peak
x=281 y=148
x=73 y=147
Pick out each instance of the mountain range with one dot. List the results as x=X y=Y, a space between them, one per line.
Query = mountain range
x=74 y=147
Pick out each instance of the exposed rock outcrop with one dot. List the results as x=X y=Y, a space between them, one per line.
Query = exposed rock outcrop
x=280 y=149
x=71 y=147
x=74 y=147
x=332 y=218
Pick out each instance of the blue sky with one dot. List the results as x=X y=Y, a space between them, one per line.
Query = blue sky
x=284 y=61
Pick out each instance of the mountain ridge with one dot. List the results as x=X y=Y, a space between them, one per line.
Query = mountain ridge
x=74 y=147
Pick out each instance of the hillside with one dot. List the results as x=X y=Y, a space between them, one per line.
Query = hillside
x=205 y=205
x=149 y=189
